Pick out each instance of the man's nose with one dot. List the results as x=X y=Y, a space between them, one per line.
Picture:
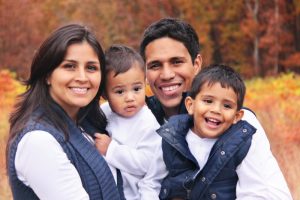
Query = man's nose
x=167 y=72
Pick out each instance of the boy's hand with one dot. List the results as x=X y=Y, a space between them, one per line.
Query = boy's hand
x=102 y=142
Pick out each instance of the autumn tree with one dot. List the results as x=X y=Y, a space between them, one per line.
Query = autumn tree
x=255 y=37
x=277 y=37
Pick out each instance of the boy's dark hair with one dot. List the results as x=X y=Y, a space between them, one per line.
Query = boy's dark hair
x=225 y=75
x=120 y=58
x=175 y=29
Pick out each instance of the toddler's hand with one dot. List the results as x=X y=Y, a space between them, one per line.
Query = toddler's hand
x=102 y=142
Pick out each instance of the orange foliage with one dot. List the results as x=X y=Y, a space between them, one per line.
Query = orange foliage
x=148 y=91
x=276 y=102
x=9 y=88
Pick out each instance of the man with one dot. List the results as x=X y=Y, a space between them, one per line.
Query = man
x=171 y=50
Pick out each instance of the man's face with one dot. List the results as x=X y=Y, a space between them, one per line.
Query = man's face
x=170 y=71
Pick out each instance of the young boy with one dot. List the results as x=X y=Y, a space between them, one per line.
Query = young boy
x=131 y=124
x=208 y=151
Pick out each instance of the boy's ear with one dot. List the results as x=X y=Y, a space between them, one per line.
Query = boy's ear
x=238 y=116
x=189 y=104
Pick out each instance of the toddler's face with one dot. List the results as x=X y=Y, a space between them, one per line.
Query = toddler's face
x=126 y=91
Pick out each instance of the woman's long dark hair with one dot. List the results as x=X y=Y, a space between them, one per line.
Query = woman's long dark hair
x=48 y=57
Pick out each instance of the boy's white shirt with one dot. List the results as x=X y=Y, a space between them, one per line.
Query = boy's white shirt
x=132 y=149
x=259 y=174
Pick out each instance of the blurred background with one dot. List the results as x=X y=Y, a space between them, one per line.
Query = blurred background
x=260 y=39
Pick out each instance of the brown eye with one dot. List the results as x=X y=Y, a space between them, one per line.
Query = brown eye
x=208 y=101
x=153 y=66
x=136 y=89
x=119 y=92
x=177 y=62
x=92 y=68
x=228 y=106
x=69 y=66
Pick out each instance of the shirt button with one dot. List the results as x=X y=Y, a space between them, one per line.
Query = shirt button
x=213 y=196
x=222 y=153
x=167 y=130
x=244 y=130
x=203 y=179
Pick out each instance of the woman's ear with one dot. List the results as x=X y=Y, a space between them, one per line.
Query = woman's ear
x=238 y=116
x=189 y=104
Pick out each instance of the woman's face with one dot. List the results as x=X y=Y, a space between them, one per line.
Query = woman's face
x=76 y=81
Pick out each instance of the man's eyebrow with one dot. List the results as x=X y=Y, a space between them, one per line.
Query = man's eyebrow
x=153 y=61
x=178 y=57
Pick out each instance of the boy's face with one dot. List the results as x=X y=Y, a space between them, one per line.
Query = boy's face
x=170 y=71
x=126 y=91
x=214 y=109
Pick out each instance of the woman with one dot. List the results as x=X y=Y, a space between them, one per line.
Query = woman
x=50 y=154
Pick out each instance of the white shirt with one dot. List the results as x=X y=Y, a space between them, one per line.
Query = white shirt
x=133 y=145
x=259 y=174
x=42 y=165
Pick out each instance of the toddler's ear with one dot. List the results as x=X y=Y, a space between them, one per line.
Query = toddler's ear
x=238 y=116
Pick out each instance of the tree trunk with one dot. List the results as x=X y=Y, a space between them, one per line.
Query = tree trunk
x=254 y=11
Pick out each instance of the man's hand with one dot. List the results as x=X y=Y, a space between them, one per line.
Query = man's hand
x=102 y=142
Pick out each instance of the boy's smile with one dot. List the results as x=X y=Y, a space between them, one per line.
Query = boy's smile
x=214 y=109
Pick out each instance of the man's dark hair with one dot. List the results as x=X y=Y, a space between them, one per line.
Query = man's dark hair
x=120 y=58
x=175 y=29
x=225 y=75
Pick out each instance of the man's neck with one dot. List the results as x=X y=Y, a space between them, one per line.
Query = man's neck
x=169 y=112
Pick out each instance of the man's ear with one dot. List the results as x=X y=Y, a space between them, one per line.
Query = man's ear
x=189 y=104
x=238 y=116
x=197 y=64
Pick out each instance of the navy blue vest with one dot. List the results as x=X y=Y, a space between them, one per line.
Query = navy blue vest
x=218 y=178
x=94 y=172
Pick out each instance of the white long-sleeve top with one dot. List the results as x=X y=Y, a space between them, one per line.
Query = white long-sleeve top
x=259 y=174
x=42 y=164
x=132 y=149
